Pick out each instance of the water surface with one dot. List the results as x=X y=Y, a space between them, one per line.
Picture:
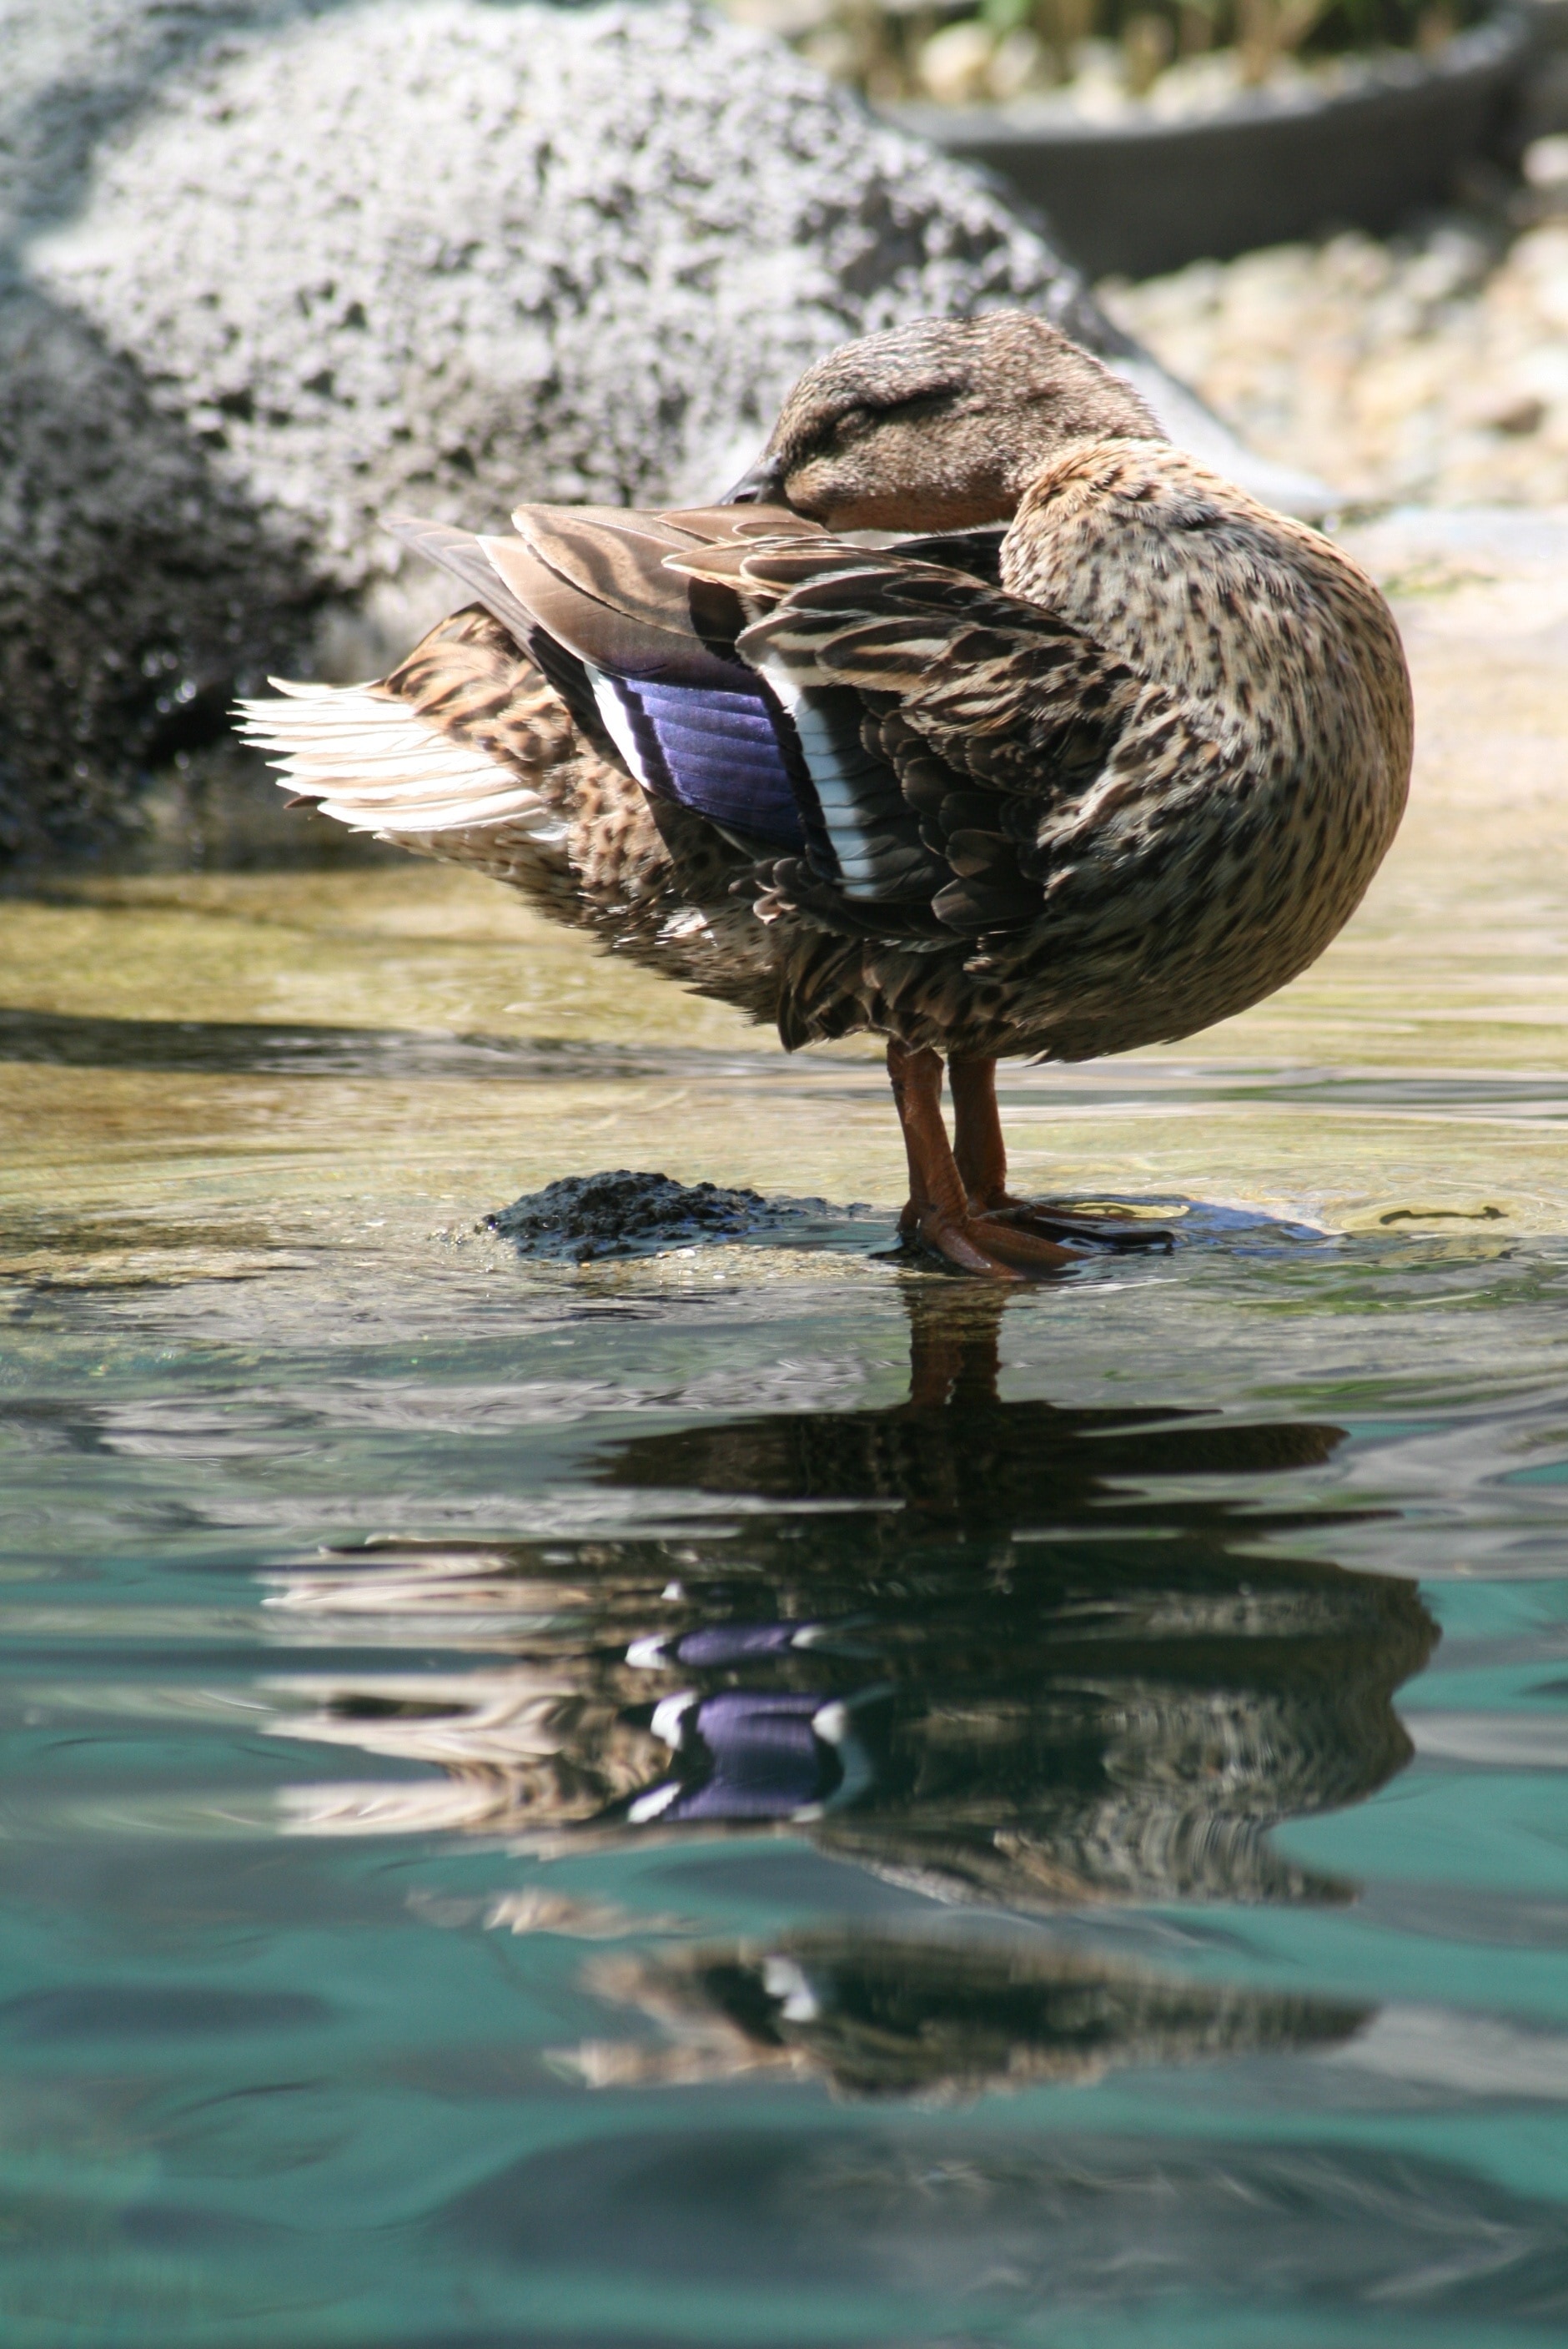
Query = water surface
x=766 y=1794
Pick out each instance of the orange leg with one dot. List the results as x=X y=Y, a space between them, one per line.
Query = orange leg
x=977 y=1145
x=939 y=1215
x=981 y=1157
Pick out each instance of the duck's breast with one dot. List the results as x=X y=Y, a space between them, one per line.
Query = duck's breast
x=1250 y=802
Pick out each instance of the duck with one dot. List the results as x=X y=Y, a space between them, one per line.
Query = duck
x=977 y=716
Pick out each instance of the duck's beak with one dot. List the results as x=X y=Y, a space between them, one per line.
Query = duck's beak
x=762 y=485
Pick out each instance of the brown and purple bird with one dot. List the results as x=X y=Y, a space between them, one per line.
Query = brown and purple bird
x=977 y=716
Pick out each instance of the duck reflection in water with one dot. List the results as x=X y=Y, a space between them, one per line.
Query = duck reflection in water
x=884 y=2015
x=1007 y=1654
x=1011 y=1652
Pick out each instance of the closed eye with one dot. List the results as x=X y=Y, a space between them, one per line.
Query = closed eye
x=910 y=407
x=852 y=423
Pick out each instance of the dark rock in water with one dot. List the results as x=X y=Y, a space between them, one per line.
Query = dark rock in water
x=583 y=1217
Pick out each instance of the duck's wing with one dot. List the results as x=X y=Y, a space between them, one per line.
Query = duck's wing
x=655 y=653
x=587 y=622
x=457 y=742
x=646 y=661
x=976 y=553
x=997 y=720
x=462 y=740
x=643 y=650
x=697 y=720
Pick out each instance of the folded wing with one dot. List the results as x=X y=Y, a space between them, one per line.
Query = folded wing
x=876 y=728
x=992 y=717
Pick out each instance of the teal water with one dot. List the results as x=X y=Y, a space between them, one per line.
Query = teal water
x=775 y=1797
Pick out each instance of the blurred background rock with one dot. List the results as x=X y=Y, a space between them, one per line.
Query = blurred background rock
x=1431 y=364
x=273 y=268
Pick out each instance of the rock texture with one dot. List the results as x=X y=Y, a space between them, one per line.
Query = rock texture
x=280 y=271
x=130 y=575
x=584 y=1217
x=454 y=252
x=1433 y=365
x=275 y=271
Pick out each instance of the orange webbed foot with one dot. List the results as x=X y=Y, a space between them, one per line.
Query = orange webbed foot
x=975 y=1244
x=1050 y=1222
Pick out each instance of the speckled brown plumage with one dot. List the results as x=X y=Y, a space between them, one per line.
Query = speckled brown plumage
x=1156 y=776
x=652 y=883
x=1139 y=769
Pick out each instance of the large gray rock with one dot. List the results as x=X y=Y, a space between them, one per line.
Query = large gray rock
x=275 y=281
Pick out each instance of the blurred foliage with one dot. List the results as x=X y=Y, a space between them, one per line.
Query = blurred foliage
x=969 y=52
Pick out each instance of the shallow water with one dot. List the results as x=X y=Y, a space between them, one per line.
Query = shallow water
x=764 y=1793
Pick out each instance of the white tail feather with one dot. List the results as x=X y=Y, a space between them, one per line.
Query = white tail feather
x=378 y=766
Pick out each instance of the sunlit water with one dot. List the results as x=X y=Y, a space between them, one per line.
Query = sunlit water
x=767 y=1795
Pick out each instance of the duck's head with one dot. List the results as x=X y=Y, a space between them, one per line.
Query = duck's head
x=937 y=425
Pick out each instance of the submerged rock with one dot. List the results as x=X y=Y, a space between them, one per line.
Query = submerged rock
x=584 y=1217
